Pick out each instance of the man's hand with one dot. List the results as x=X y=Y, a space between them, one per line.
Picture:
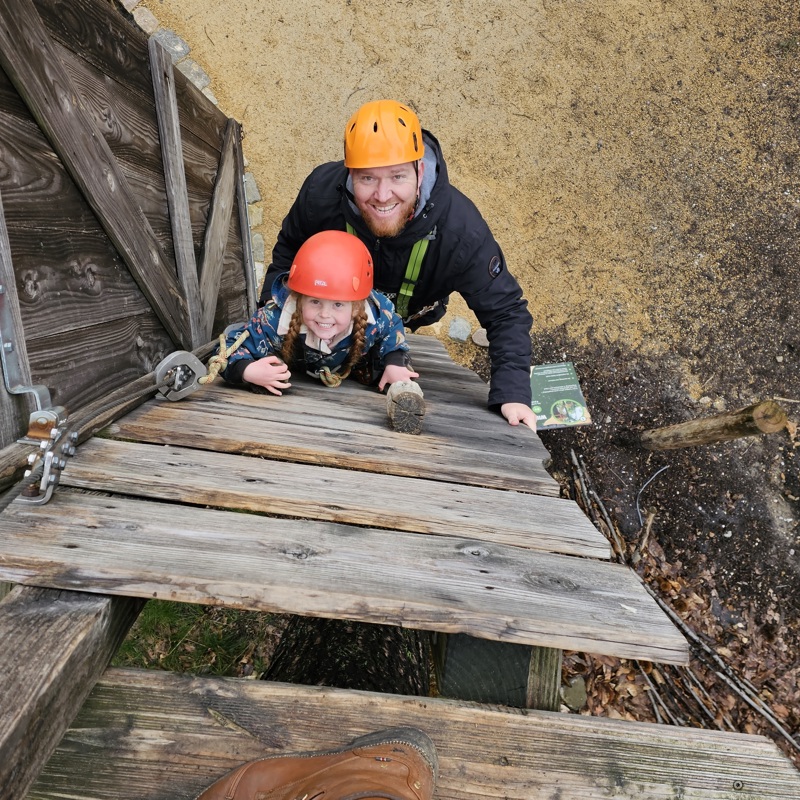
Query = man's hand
x=269 y=372
x=517 y=413
x=394 y=374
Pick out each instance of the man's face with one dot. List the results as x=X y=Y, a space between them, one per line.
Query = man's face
x=386 y=196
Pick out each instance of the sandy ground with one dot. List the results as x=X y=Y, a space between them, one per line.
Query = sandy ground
x=582 y=130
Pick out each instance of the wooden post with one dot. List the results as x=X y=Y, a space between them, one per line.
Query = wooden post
x=764 y=417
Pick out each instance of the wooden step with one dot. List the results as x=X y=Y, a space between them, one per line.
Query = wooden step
x=141 y=548
x=54 y=647
x=161 y=736
x=304 y=491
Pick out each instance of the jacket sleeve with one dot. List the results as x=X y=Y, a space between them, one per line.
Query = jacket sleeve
x=495 y=297
x=390 y=335
x=261 y=341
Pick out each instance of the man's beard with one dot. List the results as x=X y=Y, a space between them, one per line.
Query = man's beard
x=386 y=229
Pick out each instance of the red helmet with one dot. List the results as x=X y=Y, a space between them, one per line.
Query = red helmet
x=332 y=265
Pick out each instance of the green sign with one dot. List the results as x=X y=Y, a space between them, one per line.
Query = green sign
x=557 y=399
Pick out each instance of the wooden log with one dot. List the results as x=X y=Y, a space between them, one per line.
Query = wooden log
x=405 y=407
x=55 y=646
x=764 y=417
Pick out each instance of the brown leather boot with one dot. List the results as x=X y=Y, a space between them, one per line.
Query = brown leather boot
x=395 y=764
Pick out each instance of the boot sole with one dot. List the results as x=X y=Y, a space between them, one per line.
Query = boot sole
x=413 y=737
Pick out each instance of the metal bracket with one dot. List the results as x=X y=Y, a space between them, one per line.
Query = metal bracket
x=46 y=417
x=39 y=494
x=183 y=370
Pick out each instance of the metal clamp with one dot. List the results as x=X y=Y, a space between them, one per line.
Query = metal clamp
x=53 y=464
x=182 y=371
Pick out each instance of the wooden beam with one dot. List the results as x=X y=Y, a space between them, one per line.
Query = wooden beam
x=764 y=417
x=55 y=646
x=544 y=679
x=169 y=129
x=153 y=734
x=216 y=238
x=30 y=61
x=119 y=545
x=244 y=223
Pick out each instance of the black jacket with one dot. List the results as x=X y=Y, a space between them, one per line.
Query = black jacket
x=462 y=257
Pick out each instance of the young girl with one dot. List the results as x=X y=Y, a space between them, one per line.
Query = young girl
x=323 y=317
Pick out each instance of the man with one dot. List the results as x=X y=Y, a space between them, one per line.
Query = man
x=426 y=239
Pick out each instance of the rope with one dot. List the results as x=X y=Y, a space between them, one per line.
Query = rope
x=219 y=362
x=332 y=379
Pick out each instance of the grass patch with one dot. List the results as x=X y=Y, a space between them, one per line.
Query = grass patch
x=202 y=640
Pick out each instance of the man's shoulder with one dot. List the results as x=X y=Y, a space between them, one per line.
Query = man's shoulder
x=326 y=179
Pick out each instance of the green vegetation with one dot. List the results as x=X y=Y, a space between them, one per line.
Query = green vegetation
x=205 y=640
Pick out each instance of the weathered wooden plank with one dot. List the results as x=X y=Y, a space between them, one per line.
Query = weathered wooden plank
x=55 y=646
x=98 y=358
x=101 y=36
x=68 y=279
x=216 y=236
x=360 y=446
x=30 y=61
x=462 y=421
x=302 y=491
x=244 y=223
x=175 y=177
x=116 y=749
x=34 y=181
x=448 y=584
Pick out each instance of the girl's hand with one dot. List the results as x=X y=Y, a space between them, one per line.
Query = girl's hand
x=394 y=374
x=269 y=372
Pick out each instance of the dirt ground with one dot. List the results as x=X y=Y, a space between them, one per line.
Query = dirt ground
x=638 y=163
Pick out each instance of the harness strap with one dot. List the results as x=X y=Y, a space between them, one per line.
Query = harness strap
x=413 y=270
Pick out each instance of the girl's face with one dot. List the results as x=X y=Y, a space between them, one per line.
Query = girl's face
x=326 y=318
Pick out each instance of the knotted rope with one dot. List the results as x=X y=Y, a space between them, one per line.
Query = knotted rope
x=219 y=362
x=332 y=379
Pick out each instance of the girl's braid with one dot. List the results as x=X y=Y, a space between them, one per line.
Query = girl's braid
x=291 y=342
x=359 y=337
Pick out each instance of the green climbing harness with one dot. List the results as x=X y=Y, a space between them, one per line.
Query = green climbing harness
x=412 y=272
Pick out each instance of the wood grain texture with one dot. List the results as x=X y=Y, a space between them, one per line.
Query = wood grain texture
x=244 y=223
x=79 y=372
x=55 y=646
x=450 y=584
x=162 y=736
x=175 y=178
x=217 y=228
x=31 y=62
x=280 y=488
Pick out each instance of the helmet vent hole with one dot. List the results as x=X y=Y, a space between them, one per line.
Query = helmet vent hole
x=375 y=127
x=352 y=127
x=402 y=122
x=416 y=144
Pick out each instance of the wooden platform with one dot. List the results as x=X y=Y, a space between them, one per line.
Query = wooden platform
x=161 y=736
x=347 y=518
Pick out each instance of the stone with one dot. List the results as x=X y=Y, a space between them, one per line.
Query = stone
x=145 y=20
x=574 y=694
x=255 y=215
x=257 y=242
x=194 y=72
x=172 y=43
x=480 y=338
x=459 y=329
x=251 y=193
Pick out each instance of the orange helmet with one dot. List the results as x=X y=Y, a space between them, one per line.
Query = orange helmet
x=332 y=265
x=381 y=134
